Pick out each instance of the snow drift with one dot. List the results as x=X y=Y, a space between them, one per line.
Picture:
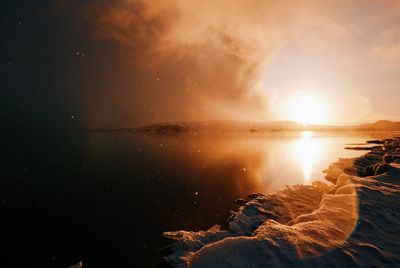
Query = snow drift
x=354 y=222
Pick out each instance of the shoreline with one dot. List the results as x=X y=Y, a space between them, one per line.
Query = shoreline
x=306 y=225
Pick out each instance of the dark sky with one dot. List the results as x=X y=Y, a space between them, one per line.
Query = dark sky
x=47 y=65
x=96 y=63
x=55 y=73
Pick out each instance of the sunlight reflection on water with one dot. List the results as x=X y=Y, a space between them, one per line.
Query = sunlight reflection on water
x=298 y=158
x=306 y=150
x=247 y=162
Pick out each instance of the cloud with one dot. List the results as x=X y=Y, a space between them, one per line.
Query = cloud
x=215 y=50
x=194 y=60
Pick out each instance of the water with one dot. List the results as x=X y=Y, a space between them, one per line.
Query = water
x=106 y=198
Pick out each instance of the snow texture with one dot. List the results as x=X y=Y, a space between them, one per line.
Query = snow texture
x=354 y=222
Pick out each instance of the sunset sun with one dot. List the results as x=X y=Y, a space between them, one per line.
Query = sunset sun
x=307 y=109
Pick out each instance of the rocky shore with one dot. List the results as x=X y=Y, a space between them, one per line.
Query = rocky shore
x=351 y=221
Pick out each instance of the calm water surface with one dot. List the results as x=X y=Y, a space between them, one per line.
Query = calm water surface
x=107 y=197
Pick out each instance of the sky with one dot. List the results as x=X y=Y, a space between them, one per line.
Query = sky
x=135 y=62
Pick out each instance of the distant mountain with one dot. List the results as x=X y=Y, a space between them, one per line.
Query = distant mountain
x=172 y=128
x=221 y=125
x=381 y=125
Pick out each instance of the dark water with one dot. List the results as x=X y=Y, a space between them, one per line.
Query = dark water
x=106 y=198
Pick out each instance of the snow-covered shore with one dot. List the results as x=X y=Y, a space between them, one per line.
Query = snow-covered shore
x=354 y=222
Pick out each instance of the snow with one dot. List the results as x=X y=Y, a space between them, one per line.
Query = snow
x=78 y=265
x=354 y=222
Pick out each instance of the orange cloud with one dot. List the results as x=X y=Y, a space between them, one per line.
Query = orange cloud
x=213 y=57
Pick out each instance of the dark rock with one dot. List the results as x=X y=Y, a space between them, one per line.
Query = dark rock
x=376 y=142
x=387 y=158
x=240 y=201
x=363 y=148
x=252 y=196
x=381 y=168
x=369 y=171
x=166 y=129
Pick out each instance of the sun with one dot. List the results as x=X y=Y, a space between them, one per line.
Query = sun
x=306 y=109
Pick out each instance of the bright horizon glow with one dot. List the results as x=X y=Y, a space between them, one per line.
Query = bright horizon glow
x=306 y=108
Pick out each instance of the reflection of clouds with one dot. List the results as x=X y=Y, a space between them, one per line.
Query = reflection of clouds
x=306 y=151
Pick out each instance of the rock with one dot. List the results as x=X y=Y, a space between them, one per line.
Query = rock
x=369 y=170
x=381 y=168
x=240 y=201
x=389 y=158
x=255 y=195
x=362 y=148
x=376 y=142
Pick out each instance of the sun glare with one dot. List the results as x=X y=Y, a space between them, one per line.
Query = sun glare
x=307 y=109
x=306 y=151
